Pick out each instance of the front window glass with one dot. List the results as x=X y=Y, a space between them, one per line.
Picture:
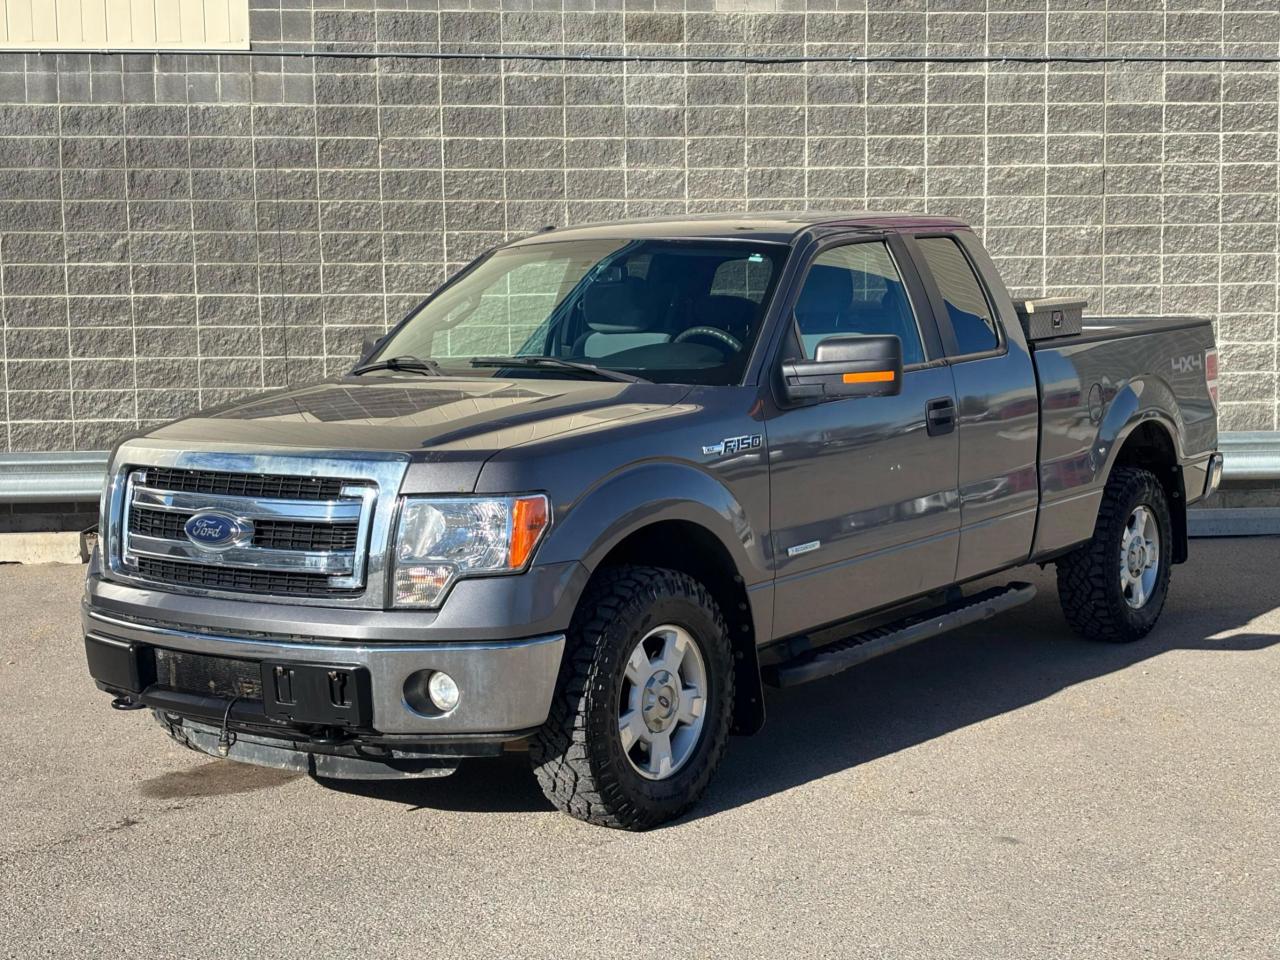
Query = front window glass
x=674 y=311
x=856 y=289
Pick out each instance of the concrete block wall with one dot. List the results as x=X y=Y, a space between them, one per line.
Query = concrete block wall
x=177 y=231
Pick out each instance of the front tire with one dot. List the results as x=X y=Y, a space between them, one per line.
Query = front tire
x=642 y=711
x=1114 y=587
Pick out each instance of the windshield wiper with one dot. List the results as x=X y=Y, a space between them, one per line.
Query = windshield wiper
x=558 y=364
x=421 y=365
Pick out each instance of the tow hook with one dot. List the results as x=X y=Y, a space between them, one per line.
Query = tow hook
x=126 y=703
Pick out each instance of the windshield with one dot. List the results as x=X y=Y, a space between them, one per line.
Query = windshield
x=671 y=311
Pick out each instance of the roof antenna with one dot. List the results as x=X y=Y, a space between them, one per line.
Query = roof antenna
x=549 y=226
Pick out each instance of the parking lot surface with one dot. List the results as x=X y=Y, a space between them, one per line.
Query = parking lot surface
x=1005 y=791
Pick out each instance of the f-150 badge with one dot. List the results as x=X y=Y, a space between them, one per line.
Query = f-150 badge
x=730 y=445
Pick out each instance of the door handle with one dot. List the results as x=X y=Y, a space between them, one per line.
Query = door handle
x=940 y=416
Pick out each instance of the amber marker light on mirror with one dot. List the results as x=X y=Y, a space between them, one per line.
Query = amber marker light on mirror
x=870 y=376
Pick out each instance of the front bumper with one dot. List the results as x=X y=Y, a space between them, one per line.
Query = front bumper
x=506 y=686
x=538 y=602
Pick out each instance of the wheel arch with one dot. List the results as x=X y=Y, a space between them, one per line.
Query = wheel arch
x=703 y=556
x=1150 y=444
x=1142 y=427
x=674 y=514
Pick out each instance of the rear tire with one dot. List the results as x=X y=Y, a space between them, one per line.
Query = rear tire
x=1114 y=587
x=642 y=710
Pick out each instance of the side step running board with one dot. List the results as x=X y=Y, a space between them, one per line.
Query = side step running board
x=861 y=647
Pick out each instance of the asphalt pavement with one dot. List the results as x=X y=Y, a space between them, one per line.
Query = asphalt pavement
x=1005 y=791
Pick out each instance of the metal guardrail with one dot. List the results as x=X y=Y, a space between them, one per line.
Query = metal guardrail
x=1250 y=455
x=52 y=477
x=68 y=477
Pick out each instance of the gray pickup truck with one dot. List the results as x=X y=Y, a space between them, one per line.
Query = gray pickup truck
x=608 y=481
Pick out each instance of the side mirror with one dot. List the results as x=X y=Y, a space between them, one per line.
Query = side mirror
x=847 y=365
x=369 y=347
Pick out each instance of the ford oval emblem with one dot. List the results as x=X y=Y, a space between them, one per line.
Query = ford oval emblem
x=213 y=530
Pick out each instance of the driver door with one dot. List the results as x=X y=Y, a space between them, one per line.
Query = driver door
x=864 y=503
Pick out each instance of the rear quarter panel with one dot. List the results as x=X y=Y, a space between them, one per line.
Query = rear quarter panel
x=1095 y=390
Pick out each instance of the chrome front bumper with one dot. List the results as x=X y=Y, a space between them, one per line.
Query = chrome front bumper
x=506 y=686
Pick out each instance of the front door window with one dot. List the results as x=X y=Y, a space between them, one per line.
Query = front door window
x=856 y=289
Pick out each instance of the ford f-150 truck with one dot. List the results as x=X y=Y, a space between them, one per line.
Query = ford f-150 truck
x=608 y=481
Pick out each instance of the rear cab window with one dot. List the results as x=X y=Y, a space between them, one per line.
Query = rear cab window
x=968 y=310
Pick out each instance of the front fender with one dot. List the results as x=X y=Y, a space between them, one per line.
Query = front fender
x=651 y=492
x=657 y=491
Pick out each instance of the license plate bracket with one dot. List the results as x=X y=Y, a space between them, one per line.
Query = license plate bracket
x=311 y=693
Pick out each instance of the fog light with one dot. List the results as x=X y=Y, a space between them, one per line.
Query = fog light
x=443 y=691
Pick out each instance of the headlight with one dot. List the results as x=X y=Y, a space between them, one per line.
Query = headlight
x=444 y=538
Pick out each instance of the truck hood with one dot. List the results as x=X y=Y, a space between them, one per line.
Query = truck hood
x=456 y=423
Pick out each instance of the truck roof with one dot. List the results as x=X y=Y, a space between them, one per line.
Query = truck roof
x=779 y=226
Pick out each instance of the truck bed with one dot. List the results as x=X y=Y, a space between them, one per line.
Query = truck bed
x=1117 y=328
x=1116 y=371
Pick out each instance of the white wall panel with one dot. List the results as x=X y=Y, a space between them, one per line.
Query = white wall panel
x=124 y=24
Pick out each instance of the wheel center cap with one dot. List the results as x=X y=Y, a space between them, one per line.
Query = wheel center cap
x=660 y=700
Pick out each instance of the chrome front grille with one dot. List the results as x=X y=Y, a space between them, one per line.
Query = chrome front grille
x=295 y=544
x=271 y=534
x=309 y=530
x=236 y=579
x=246 y=484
